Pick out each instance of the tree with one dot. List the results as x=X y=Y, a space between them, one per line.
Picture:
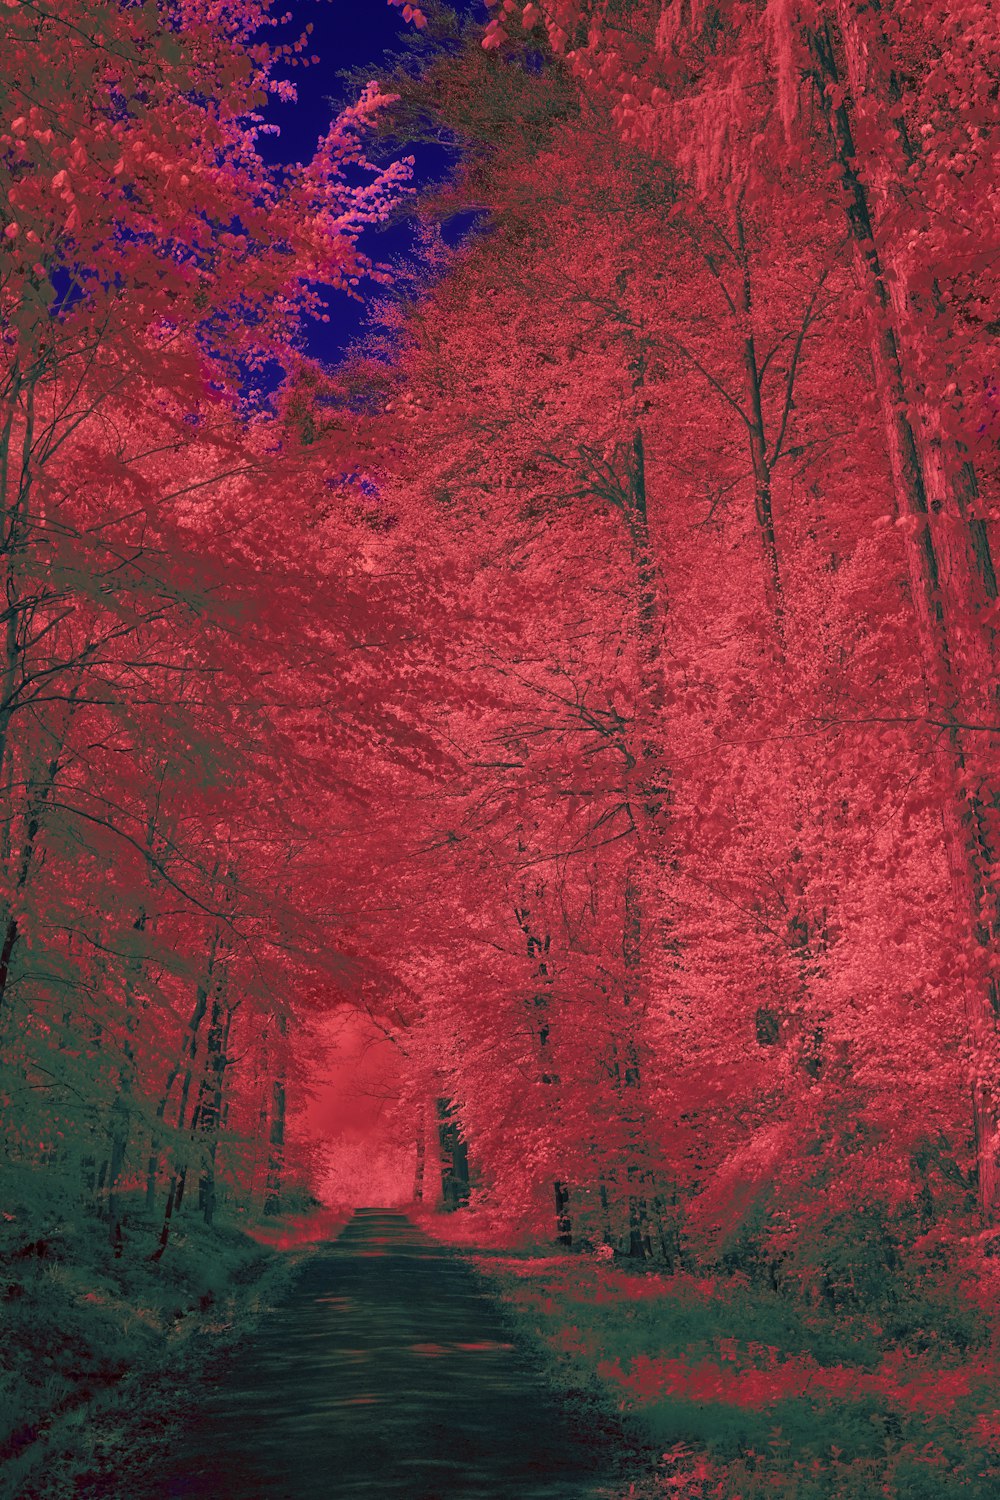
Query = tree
x=152 y=266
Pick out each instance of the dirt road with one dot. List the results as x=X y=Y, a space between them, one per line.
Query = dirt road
x=386 y=1375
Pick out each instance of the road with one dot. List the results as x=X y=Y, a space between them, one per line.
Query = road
x=387 y=1374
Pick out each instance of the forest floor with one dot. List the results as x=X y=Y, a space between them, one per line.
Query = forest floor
x=746 y=1394
x=404 y=1368
x=97 y=1351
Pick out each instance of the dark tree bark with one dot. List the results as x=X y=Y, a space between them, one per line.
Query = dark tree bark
x=454 y=1157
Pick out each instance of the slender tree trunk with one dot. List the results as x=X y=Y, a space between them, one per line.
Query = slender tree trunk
x=454 y=1157
x=648 y=870
x=168 y=1217
x=276 y=1153
x=540 y=1006
x=11 y=546
x=418 y=1172
x=42 y=793
x=628 y=1074
x=803 y=927
x=260 y=1136
x=276 y=1138
x=212 y=1102
x=961 y=539
x=956 y=660
x=607 y=1229
x=185 y=1065
x=206 y=1120
x=760 y=461
x=564 y=1216
x=121 y=1112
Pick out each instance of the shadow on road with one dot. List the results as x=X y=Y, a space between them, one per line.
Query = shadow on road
x=386 y=1375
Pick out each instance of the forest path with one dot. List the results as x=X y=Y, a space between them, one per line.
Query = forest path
x=387 y=1374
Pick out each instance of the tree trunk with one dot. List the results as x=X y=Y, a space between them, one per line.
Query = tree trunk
x=564 y=1218
x=961 y=539
x=121 y=1111
x=10 y=549
x=628 y=1075
x=276 y=1152
x=42 y=792
x=762 y=479
x=454 y=1157
x=168 y=1216
x=955 y=657
x=189 y=1049
x=607 y=1229
x=650 y=865
x=538 y=955
x=276 y=1136
x=211 y=1102
x=418 y=1172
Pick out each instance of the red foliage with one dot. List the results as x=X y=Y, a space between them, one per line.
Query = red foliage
x=593 y=681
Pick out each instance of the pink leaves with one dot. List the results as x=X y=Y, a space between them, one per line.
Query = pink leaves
x=411 y=13
x=141 y=187
x=338 y=212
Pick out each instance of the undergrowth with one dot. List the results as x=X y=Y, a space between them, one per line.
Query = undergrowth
x=100 y=1353
x=740 y=1391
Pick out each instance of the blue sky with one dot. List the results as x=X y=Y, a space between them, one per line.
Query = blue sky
x=346 y=34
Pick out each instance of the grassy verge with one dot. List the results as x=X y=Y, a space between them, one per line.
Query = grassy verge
x=101 y=1357
x=744 y=1394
